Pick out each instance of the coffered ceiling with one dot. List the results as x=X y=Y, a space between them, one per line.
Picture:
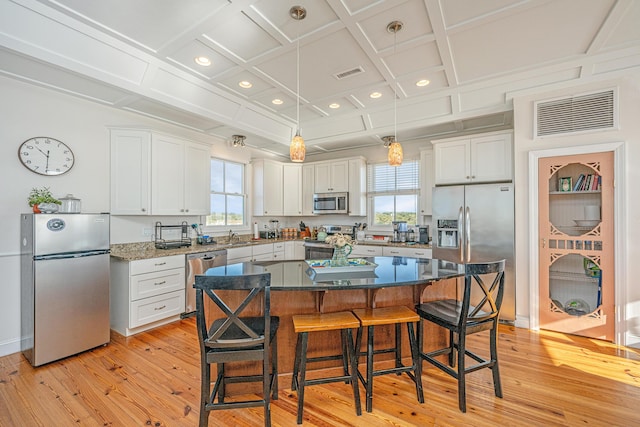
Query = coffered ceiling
x=139 y=56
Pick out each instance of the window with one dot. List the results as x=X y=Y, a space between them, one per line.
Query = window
x=393 y=193
x=227 y=194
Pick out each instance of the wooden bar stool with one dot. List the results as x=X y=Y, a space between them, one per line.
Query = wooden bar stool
x=343 y=321
x=371 y=317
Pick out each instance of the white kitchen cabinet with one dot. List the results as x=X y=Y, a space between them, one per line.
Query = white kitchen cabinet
x=365 y=251
x=331 y=177
x=130 y=172
x=179 y=177
x=406 y=252
x=292 y=189
x=267 y=188
x=357 y=187
x=427 y=181
x=474 y=159
x=279 y=251
x=294 y=250
x=308 y=188
x=241 y=254
x=146 y=293
x=157 y=174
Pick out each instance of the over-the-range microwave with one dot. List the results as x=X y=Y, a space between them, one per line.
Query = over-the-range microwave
x=330 y=203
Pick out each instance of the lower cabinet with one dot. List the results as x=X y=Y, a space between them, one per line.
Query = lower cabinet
x=146 y=293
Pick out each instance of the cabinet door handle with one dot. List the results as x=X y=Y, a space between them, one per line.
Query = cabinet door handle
x=144 y=210
x=159 y=264
x=160 y=283
x=544 y=243
x=162 y=307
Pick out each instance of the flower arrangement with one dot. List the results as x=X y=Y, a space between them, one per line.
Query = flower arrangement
x=339 y=240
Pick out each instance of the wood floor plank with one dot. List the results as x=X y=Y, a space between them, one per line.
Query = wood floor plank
x=152 y=378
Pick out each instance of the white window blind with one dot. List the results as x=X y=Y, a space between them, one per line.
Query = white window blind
x=382 y=178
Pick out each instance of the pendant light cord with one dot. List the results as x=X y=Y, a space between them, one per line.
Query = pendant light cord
x=298 y=77
x=395 y=95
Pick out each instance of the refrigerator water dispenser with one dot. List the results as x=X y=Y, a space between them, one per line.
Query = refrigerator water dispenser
x=447 y=233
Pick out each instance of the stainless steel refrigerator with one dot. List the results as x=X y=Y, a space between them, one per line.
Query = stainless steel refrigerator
x=64 y=284
x=475 y=223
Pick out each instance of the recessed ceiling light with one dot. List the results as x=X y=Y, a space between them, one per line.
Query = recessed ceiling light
x=202 y=60
x=245 y=84
x=277 y=101
x=375 y=95
x=423 y=82
x=334 y=105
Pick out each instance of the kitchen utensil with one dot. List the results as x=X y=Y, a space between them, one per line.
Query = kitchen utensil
x=70 y=204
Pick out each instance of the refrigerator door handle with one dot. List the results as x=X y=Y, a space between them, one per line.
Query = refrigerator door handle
x=467 y=234
x=460 y=235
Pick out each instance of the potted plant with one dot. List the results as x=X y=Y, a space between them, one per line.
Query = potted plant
x=42 y=200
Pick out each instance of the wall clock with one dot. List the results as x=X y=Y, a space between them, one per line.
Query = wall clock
x=46 y=156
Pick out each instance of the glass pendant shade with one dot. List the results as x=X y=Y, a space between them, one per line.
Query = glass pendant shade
x=297 y=149
x=395 y=154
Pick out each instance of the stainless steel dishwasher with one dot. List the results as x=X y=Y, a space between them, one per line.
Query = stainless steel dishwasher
x=197 y=264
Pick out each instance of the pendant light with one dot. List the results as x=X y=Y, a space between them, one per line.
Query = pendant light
x=395 y=154
x=297 y=149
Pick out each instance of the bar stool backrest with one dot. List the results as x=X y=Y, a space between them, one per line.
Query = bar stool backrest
x=488 y=296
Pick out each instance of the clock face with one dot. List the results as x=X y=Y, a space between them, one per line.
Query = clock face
x=46 y=156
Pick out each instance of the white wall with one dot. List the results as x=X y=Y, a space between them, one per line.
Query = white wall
x=629 y=133
x=29 y=111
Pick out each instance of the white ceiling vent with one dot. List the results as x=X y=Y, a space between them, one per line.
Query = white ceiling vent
x=348 y=73
x=583 y=113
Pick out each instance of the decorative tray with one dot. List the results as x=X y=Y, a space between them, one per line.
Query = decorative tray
x=355 y=265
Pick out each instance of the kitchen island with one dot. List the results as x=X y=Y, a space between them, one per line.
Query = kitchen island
x=298 y=289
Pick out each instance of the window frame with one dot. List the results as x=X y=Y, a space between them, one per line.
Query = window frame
x=235 y=227
x=370 y=196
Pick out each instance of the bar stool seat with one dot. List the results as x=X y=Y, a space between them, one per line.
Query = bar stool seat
x=371 y=317
x=343 y=321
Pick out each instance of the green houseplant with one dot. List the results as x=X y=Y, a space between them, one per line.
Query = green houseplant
x=42 y=196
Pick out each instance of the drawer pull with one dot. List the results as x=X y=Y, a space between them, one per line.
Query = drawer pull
x=161 y=263
x=160 y=283
x=162 y=307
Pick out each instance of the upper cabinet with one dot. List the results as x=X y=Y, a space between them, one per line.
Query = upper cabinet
x=130 y=172
x=331 y=177
x=427 y=181
x=357 y=187
x=180 y=177
x=292 y=184
x=267 y=187
x=157 y=174
x=308 y=181
x=474 y=159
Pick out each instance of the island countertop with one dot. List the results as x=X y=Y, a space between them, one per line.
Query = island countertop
x=387 y=272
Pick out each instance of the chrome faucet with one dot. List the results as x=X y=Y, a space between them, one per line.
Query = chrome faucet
x=233 y=236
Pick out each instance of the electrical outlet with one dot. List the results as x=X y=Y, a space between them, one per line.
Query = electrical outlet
x=146 y=231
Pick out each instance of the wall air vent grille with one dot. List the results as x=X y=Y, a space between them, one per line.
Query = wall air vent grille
x=583 y=113
x=348 y=73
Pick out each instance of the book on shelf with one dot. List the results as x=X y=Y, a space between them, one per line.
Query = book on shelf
x=578 y=182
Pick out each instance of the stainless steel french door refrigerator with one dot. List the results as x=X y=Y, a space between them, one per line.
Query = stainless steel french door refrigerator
x=64 y=284
x=475 y=223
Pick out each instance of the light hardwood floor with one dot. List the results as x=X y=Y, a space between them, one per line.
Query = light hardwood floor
x=152 y=379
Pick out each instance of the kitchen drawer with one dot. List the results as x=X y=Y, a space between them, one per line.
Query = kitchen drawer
x=157 y=283
x=243 y=253
x=366 y=250
x=278 y=247
x=157 y=264
x=156 y=308
x=408 y=252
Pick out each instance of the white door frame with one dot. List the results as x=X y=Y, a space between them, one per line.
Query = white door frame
x=620 y=227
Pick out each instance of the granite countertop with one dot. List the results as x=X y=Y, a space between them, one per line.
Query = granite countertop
x=146 y=250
